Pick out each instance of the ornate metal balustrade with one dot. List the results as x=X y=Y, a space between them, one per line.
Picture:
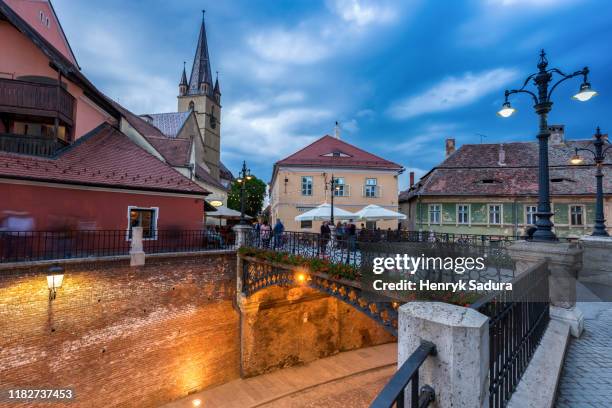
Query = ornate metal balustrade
x=517 y=322
x=259 y=274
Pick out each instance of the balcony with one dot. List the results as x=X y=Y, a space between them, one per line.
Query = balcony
x=32 y=145
x=36 y=99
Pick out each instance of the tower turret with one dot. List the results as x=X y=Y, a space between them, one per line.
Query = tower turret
x=183 y=84
x=217 y=90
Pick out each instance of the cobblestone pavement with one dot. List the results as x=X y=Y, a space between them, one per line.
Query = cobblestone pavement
x=586 y=379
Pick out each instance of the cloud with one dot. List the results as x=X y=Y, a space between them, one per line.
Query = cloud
x=364 y=13
x=534 y=3
x=289 y=97
x=350 y=126
x=452 y=93
x=252 y=129
x=122 y=69
x=280 y=45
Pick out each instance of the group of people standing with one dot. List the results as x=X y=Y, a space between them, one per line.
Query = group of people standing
x=266 y=233
x=345 y=234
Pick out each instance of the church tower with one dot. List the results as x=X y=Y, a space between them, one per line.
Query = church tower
x=200 y=96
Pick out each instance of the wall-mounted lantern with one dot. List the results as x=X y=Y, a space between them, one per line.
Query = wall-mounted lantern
x=54 y=280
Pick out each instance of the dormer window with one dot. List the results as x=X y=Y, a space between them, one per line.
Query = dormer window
x=336 y=153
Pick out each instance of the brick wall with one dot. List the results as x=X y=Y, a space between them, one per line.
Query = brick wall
x=282 y=327
x=121 y=336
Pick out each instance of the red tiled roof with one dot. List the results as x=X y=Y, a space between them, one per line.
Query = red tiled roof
x=175 y=151
x=206 y=177
x=105 y=157
x=351 y=156
x=510 y=169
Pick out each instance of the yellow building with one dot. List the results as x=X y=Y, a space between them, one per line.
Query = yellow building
x=301 y=181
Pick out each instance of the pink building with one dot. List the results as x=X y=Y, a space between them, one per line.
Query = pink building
x=64 y=161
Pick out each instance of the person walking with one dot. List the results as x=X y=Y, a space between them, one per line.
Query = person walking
x=351 y=232
x=325 y=236
x=279 y=228
x=265 y=232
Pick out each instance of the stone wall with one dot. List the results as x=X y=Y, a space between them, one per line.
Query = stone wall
x=121 y=336
x=282 y=327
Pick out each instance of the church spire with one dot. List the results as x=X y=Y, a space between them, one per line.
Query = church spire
x=184 y=77
x=200 y=81
x=183 y=84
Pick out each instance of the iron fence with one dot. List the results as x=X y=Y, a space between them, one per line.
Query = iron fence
x=27 y=246
x=394 y=392
x=517 y=321
x=344 y=248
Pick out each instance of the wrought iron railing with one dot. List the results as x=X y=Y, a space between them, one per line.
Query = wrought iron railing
x=27 y=246
x=394 y=392
x=517 y=321
x=347 y=248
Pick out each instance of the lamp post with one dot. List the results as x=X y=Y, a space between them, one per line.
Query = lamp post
x=543 y=105
x=243 y=176
x=333 y=187
x=599 y=154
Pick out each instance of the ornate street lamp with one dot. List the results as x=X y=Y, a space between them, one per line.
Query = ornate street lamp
x=543 y=105
x=599 y=154
x=334 y=187
x=243 y=176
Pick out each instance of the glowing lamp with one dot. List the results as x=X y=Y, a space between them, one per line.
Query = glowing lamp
x=55 y=280
x=576 y=159
x=216 y=203
x=506 y=111
x=585 y=93
x=301 y=277
x=196 y=402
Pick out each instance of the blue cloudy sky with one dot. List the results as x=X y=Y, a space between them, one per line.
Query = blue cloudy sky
x=399 y=76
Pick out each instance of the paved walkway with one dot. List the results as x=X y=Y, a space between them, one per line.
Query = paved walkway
x=308 y=385
x=586 y=379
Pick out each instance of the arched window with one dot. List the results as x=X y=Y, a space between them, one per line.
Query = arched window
x=191 y=106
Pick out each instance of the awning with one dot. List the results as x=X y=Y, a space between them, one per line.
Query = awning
x=323 y=213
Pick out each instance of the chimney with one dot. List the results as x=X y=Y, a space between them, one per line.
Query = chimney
x=337 y=131
x=450 y=146
x=502 y=155
x=557 y=134
x=411 y=178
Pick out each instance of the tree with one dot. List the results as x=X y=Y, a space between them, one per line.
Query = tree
x=254 y=194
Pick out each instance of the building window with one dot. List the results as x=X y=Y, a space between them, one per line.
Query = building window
x=307 y=185
x=530 y=214
x=494 y=214
x=434 y=213
x=371 y=187
x=191 y=106
x=145 y=218
x=340 y=189
x=305 y=224
x=576 y=215
x=463 y=213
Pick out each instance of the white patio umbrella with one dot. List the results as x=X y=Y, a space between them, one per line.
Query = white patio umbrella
x=323 y=213
x=374 y=212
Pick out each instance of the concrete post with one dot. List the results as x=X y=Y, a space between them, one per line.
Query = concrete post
x=242 y=232
x=137 y=255
x=564 y=262
x=459 y=373
x=596 y=260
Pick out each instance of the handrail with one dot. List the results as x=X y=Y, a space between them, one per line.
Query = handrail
x=394 y=391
